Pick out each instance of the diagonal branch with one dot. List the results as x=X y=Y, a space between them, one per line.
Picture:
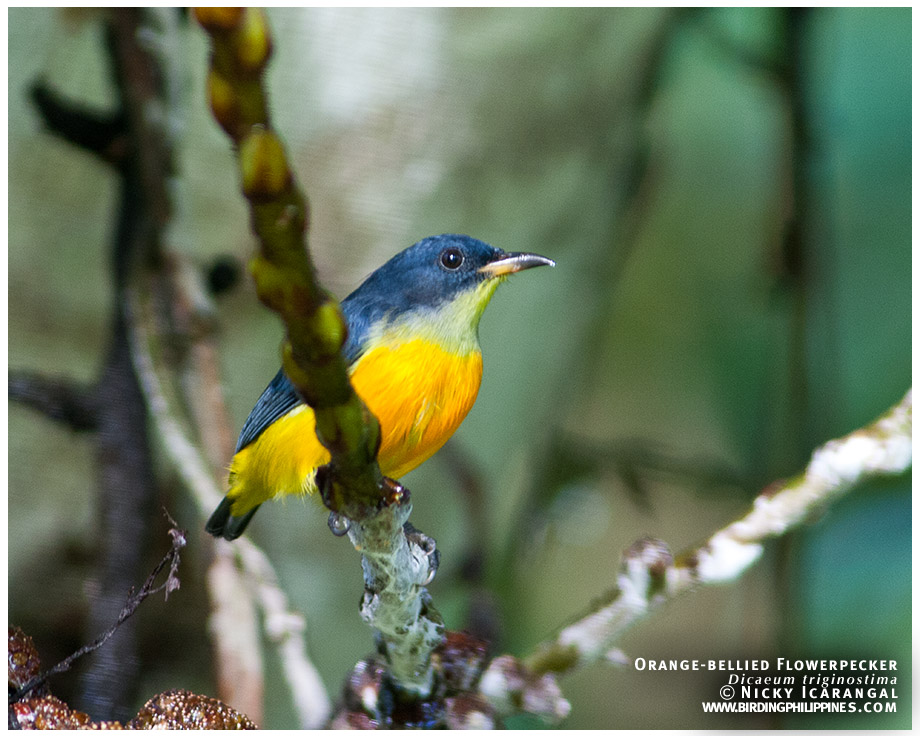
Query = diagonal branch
x=649 y=576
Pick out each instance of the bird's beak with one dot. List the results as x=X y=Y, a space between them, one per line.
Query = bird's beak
x=509 y=263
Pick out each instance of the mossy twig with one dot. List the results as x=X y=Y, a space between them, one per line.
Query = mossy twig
x=284 y=275
x=396 y=566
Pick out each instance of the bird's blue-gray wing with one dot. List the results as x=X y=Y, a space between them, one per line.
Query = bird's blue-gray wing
x=280 y=396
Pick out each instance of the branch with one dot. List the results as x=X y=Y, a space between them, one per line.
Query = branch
x=60 y=399
x=371 y=508
x=233 y=627
x=123 y=454
x=649 y=576
x=728 y=45
x=188 y=365
x=631 y=177
x=482 y=618
x=102 y=134
x=285 y=627
x=283 y=272
x=134 y=600
x=397 y=566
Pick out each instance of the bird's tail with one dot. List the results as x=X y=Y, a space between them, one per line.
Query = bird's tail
x=224 y=524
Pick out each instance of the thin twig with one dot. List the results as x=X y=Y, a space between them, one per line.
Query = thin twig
x=178 y=541
x=285 y=627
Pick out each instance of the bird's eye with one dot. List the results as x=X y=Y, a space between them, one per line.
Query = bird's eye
x=451 y=258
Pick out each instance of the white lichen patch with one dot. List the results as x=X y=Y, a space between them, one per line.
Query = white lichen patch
x=723 y=559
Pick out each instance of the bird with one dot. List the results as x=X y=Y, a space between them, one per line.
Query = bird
x=413 y=357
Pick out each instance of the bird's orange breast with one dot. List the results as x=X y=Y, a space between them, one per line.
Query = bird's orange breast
x=418 y=391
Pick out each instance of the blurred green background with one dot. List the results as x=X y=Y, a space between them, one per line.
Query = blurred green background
x=684 y=353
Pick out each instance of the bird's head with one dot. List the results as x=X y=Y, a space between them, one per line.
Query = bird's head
x=439 y=286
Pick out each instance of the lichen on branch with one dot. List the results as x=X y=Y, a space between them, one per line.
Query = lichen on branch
x=649 y=576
